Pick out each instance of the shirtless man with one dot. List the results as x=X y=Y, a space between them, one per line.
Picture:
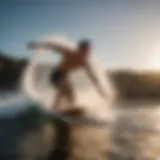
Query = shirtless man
x=71 y=61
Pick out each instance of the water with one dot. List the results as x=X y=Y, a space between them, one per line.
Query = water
x=135 y=134
x=137 y=131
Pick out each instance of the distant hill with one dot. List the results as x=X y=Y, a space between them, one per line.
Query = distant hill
x=130 y=84
x=10 y=71
x=134 y=85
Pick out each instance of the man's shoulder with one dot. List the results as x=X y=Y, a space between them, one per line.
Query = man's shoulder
x=71 y=53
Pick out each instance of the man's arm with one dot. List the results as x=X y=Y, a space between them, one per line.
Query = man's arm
x=94 y=79
x=51 y=46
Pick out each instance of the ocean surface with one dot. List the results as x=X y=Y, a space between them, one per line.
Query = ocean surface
x=136 y=129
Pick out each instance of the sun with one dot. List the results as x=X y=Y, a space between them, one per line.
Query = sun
x=155 y=58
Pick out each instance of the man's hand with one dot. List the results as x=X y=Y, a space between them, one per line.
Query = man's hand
x=50 y=46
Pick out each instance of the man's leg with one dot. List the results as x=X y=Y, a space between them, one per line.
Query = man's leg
x=58 y=98
x=72 y=109
x=64 y=90
x=68 y=91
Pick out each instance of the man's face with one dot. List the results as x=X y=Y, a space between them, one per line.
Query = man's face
x=85 y=50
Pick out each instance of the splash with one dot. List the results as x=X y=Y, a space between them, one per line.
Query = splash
x=37 y=86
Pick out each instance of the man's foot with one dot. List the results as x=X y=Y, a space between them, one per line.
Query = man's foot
x=74 y=112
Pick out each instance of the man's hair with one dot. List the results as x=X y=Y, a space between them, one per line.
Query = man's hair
x=84 y=43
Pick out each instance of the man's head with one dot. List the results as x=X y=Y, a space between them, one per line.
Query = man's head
x=84 y=46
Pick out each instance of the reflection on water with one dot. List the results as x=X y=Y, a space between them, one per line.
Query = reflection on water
x=139 y=115
x=135 y=134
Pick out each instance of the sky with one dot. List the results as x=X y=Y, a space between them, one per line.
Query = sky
x=125 y=33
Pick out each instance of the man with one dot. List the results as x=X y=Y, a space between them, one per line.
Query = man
x=71 y=60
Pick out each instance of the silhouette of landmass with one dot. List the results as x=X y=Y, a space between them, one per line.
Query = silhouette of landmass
x=10 y=71
x=133 y=85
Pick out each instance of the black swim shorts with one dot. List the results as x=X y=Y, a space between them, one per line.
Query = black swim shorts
x=56 y=77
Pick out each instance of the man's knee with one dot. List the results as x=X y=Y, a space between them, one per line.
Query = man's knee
x=69 y=93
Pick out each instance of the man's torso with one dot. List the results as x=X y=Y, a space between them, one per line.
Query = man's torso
x=72 y=62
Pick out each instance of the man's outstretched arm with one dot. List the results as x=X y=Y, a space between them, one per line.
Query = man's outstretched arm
x=51 y=46
x=94 y=79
